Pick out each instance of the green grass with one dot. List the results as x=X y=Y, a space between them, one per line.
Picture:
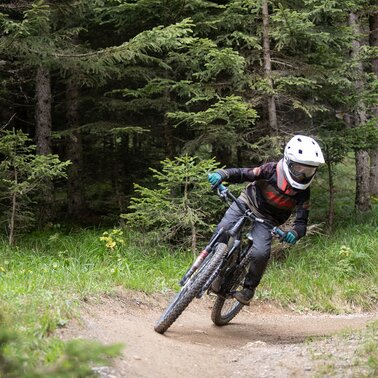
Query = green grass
x=48 y=274
x=336 y=273
x=43 y=280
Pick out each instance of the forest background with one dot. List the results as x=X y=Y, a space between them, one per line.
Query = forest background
x=113 y=87
x=112 y=113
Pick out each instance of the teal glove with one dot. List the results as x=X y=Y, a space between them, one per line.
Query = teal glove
x=291 y=237
x=215 y=179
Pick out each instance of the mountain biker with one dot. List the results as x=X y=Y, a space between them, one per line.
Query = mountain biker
x=275 y=189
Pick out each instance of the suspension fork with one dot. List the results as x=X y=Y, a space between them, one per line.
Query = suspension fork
x=202 y=256
x=233 y=245
x=233 y=259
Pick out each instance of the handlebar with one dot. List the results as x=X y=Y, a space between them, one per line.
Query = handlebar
x=225 y=194
x=222 y=188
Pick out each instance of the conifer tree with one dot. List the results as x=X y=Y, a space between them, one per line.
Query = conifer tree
x=272 y=113
x=373 y=42
x=359 y=118
x=43 y=38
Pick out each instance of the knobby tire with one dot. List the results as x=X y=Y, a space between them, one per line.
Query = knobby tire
x=218 y=317
x=190 y=290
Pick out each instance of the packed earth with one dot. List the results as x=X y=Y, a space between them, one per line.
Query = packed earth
x=262 y=341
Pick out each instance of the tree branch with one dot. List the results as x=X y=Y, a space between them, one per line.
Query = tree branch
x=8 y=123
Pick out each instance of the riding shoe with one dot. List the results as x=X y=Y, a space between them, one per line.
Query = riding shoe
x=244 y=296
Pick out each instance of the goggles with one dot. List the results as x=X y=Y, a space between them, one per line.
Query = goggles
x=301 y=172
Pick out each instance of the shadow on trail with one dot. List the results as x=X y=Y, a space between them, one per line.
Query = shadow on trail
x=270 y=329
x=234 y=335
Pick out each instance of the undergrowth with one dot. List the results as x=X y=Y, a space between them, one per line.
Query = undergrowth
x=43 y=280
x=332 y=273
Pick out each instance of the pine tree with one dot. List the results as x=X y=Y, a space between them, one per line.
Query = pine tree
x=133 y=82
x=272 y=113
x=199 y=77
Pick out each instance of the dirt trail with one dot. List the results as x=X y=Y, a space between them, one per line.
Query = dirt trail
x=263 y=341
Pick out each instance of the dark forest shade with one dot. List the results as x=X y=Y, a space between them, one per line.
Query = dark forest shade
x=118 y=87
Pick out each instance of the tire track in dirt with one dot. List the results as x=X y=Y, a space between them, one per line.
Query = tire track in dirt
x=262 y=341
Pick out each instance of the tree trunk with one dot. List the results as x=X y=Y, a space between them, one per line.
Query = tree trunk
x=194 y=238
x=116 y=174
x=362 y=201
x=373 y=41
x=43 y=138
x=331 y=193
x=272 y=113
x=76 y=202
x=168 y=132
x=222 y=155
x=374 y=172
x=169 y=142
x=13 y=212
x=43 y=111
x=362 y=181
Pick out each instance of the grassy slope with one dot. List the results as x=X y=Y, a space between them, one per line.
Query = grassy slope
x=50 y=272
x=329 y=273
x=336 y=271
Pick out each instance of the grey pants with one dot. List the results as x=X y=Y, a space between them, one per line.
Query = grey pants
x=262 y=241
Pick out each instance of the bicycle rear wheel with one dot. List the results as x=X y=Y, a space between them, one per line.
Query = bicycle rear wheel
x=190 y=290
x=226 y=307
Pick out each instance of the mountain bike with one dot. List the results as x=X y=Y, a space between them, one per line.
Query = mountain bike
x=219 y=269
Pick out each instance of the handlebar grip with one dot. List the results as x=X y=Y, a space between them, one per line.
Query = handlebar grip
x=279 y=232
x=222 y=188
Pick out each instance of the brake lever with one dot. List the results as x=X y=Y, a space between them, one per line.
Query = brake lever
x=222 y=192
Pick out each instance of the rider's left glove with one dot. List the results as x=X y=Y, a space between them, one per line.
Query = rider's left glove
x=291 y=237
x=215 y=179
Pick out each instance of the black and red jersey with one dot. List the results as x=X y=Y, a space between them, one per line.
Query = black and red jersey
x=269 y=194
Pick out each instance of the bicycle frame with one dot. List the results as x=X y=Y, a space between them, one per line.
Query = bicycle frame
x=233 y=242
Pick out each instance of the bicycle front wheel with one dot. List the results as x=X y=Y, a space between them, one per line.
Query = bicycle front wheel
x=190 y=289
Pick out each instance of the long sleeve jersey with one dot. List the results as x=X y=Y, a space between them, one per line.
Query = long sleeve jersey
x=269 y=194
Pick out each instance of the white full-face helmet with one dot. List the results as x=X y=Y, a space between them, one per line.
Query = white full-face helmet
x=302 y=157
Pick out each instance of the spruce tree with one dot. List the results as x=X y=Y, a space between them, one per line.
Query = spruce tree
x=50 y=40
x=373 y=43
